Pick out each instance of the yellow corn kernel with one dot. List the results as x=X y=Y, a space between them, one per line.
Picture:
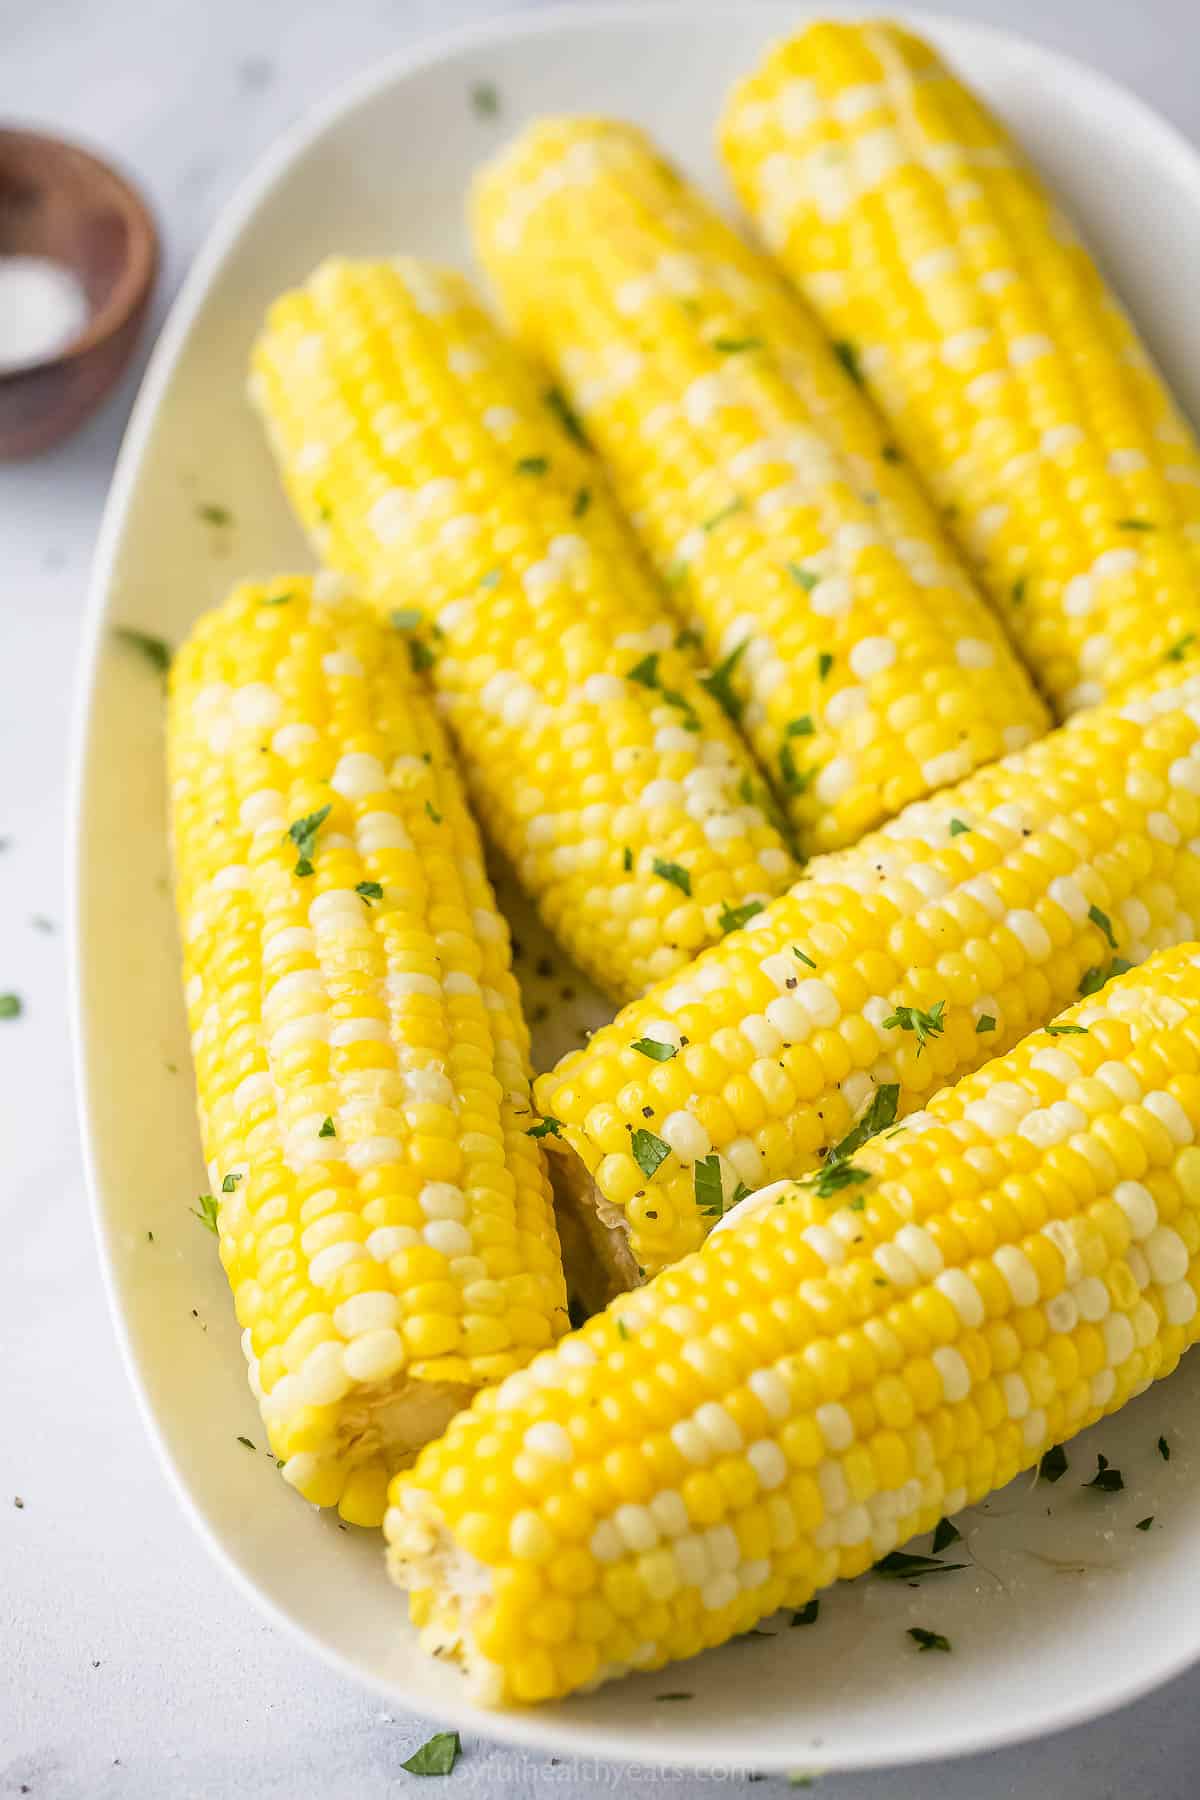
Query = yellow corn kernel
x=331 y=895
x=443 y=474
x=1012 y=377
x=864 y=667
x=1040 y=856
x=739 y=1530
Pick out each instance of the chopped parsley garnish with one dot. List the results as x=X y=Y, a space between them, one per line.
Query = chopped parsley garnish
x=1017 y=590
x=407 y=618
x=1094 y=979
x=736 y=505
x=490 y=579
x=924 y=1024
x=581 y=502
x=328 y=1128
x=928 y=1640
x=10 y=1006
x=215 y=515
x=1053 y=1465
x=801 y=727
x=847 y=355
x=645 y=673
x=229 y=1183
x=807 y=1614
x=655 y=1049
x=420 y=655
x=718 y=685
x=205 y=1210
x=732 y=918
x=277 y=599
x=245 y=1440
x=432 y=812
x=795 y=781
x=805 y=578
x=438 y=1754
x=675 y=873
x=648 y=1151
x=709 y=1188
x=622 y=1329
x=687 y=639
x=303 y=833
x=1108 y=1480
x=800 y=957
x=730 y=346
x=674 y=1696
x=156 y=650
x=627 y=859
x=903 y=1565
x=368 y=891
x=1144 y=1524
x=985 y=1022
x=837 y=1175
x=547 y=1127
x=879 y=1115
x=824 y=664
x=1066 y=1031
x=1164 y=1449
x=533 y=465
x=1104 y=922
x=958 y=826
x=890 y=454
x=566 y=415
x=1134 y=525
x=485 y=100
x=945 y=1534
x=1178 y=651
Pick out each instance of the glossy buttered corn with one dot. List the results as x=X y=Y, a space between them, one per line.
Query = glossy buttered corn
x=1009 y=372
x=361 y=1060
x=891 y=969
x=437 y=468
x=834 y=1374
x=865 y=669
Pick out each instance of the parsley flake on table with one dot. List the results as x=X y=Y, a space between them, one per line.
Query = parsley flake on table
x=945 y=1534
x=1144 y=1524
x=924 y=1024
x=436 y=1756
x=1164 y=1449
x=928 y=1640
x=156 y=650
x=675 y=873
x=656 y=1051
x=1053 y=1465
x=205 y=1209
x=11 y=1006
x=214 y=515
x=485 y=99
x=808 y=1613
x=245 y=1440
x=1108 y=1480
x=904 y=1565
x=649 y=1152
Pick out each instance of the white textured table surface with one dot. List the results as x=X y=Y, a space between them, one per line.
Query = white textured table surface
x=128 y=1664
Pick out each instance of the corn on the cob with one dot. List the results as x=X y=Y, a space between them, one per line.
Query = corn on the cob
x=1019 y=388
x=428 y=461
x=866 y=669
x=892 y=968
x=835 y=1374
x=361 y=1059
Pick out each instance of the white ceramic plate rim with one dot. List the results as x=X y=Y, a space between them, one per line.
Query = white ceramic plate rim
x=948 y=1737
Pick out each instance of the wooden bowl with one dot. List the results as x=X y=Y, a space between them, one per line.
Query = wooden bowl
x=57 y=201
